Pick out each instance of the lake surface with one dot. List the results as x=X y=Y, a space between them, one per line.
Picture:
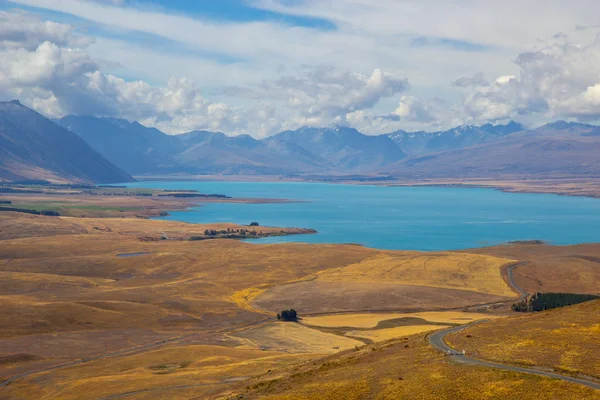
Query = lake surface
x=415 y=218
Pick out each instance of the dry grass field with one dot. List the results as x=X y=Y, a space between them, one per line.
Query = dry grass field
x=205 y=369
x=195 y=317
x=296 y=338
x=572 y=269
x=373 y=319
x=401 y=280
x=565 y=186
x=406 y=368
x=457 y=271
x=566 y=339
x=381 y=335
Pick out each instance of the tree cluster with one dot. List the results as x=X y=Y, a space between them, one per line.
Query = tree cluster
x=288 y=315
x=548 y=301
x=28 y=211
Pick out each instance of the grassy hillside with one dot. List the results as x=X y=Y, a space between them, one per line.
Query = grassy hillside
x=196 y=319
x=565 y=339
x=401 y=369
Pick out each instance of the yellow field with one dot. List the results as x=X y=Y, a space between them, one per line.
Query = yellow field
x=567 y=339
x=379 y=335
x=204 y=368
x=371 y=320
x=295 y=338
x=403 y=369
x=66 y=295
x=477 y=273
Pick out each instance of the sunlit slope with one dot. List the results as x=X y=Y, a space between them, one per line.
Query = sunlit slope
x=566 y=339
x=571 y=269
x=403 y=369
x=461 y=271
x=202 y=369
x=401 y=281
x=78 y=282
x=295 y=338
x=373 y=319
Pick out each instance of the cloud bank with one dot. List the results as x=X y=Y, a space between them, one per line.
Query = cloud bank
x=261 y=77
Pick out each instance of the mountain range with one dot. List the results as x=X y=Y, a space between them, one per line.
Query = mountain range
x=489 y=151
x=33 y=147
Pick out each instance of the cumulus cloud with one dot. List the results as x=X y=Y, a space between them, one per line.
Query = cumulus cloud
x=559 y=81
x=474 y=81
x=324 y=95
x=56 y=70
x=49 y=68
x=19 y=30
x=46 y=66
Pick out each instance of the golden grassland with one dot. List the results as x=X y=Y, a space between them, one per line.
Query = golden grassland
x=380 y=335
x=66 y=294
x=18 y=225
x=296 y=338
x=88 y=206
x=566 y=186
x=444 y=270
x=112 y=202
x=407 y=368
x=205 y=368
x=363 y=320
x=395 y=281
x=566 y=339
x=572 y=269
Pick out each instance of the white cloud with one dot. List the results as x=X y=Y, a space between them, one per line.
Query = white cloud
x=251 y=77
x=559 y=81
x=322 y=95
x=57 y=79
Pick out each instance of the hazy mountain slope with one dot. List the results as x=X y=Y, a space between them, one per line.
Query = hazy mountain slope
x=417 y=143
x=218 y=153
x=129 y=145
x=556 y=149
x=346 y=149
x=33 y=147
x=543 y=153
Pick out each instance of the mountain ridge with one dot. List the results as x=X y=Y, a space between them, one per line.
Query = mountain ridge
x=32 y=147
x=493 y=150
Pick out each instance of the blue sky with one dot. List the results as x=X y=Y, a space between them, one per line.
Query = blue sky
x=258 y=66
x=235 y=10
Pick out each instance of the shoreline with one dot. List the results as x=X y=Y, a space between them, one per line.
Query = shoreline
x=569 y=186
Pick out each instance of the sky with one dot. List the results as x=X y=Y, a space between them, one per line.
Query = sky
x=262 y=66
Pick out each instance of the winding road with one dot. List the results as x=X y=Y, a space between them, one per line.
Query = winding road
x=436 y=339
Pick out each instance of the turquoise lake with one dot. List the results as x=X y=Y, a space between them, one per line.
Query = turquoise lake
x=403 y=218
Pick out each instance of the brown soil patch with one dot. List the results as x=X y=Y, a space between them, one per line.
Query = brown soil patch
x=318 y=297
x=572 y=269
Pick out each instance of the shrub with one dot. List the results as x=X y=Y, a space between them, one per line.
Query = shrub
x=288 y=315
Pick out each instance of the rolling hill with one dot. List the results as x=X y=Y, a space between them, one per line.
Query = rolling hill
x=33 y=147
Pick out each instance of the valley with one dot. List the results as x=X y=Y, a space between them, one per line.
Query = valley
x=196 y=319
x=299 y=200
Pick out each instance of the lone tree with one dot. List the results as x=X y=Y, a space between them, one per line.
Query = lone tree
x=253 y=223
x=288 y=315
